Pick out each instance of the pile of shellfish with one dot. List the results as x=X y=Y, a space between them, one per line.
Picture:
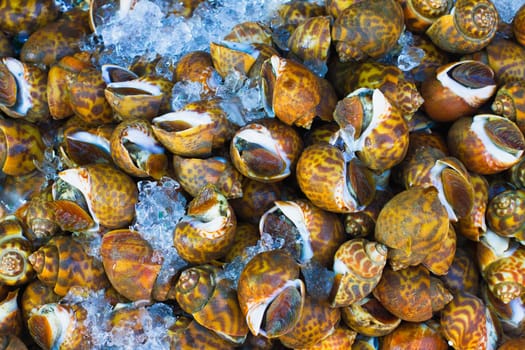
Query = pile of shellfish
x=402 y=192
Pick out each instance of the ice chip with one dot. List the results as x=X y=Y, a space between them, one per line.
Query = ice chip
x=507 y=8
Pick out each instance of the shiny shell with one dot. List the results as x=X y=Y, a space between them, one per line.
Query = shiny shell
x=486 y=143
x=358 y=265
x=369 y=317
x=361 y=30
x=469 y=27
x=15 y=249
x=420 y=14
x=131 y=264
x=518 y=26
x=413 y=336
x=505 y=213
x=411 y=294
x=509 y=102
x=26 y=16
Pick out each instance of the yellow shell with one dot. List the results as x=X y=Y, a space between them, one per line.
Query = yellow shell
x=469 y=27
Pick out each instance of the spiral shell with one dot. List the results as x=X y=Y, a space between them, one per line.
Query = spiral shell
x=469 y=27
x=509 y=102
x=420 y=14
x=15 y=249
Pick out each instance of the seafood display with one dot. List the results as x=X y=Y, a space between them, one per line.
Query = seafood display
x=340 y=174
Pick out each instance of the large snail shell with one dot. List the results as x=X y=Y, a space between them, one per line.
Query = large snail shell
x=197 y=66
x=381 y=132
x=56 y=39
x=463 y=273
x=60 y=326
x=291 y=92
x=367 y=29
x=62 y=264
x=411 y=294
x=131 y=264
x=266 y=150
x=35 y=295
x=469 y=27
x=319 y=232
x=213 y=303
x=15 y=249
x=413 y=224
x=457 y=89
x=358 y=265
x=209 y=228
x=486 y=143
x=109 y=193
x=270 y=293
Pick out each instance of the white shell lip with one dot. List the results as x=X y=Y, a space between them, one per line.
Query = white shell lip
x=23 y=97
x=139 y=85
x=191 y=118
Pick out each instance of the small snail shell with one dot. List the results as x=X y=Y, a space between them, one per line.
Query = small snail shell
x=420 y=14
x=15 y=249
x=509 y=102
x=208 y=230
x=469 y=27
x=369 y=317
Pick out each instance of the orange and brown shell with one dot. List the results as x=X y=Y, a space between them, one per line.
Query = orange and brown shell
x=270 y=293
x=21 y=147
x=464 y=322
x=246 y=235
x=367 y=29
x=509 y=102
x=109 y=193
x=502 y=55
x=257 y=197
x=380 y=132
x=310 y=41
x=145 y=97
x=291 y=92
x=87 y=97
x=411 y=294
x=212 y=302
x=457 y=89
x=62 y=263
x=473 y=225
x=502 y=269
x=331 y=181
x=60 y=326
x=511 y=315
x=189 y=334
x=318 y=320
x=505 y=213
x=23 y=93
x=11 y=341
x=57 y=39
x=36 y=294
x=369 y=317
x=414 y=336
x=15 y=249
x=358 y=265
x=26 y=16
x=197 y=66
x=397 y=88
x=266 y=150
x=308 y=232
x=420 y=14
x=413 y=225
x=362 y=223
x=342 y=338
x=469 y=27
x=195 y=173
x=512 y=344
x=518 y=25
x=250 y=32
x=195 y=130
x=208 y=230
x=130 y=263
x=59 y=79
x=486 y=143
x=135 y=149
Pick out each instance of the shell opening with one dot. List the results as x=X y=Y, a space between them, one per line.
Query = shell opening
x=286 y=221
x=478 y=127
x=23 y=96
x=374 y=113
x=90 y=138
x=181 y=120
x=435 y=175
x=140 y=146
x=58 y=320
